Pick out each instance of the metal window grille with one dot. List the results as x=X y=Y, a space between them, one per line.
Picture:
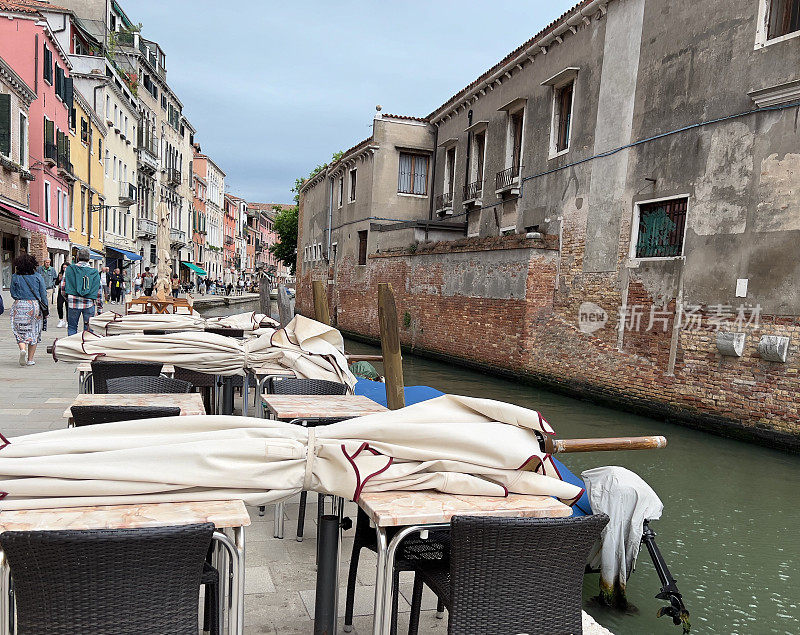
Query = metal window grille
x=661 y=229
x=784 y=17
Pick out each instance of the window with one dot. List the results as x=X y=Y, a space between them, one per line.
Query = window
x=83 y=210
x=5 y=124
x=47 y=201
x=784 y=18
x=58 y=206
x=515 y=125
x=47 y=65
x=23 y=139
x=65 y=210
x=84 y=131
x=108 y=107
x=105 y=163
x=562 y=112
x=100 y=149
x=450 y=171
x=353 y=184
x=479 y=154
x=362 y=247
x=413 y=174
x=341 y=191
x=660 y=228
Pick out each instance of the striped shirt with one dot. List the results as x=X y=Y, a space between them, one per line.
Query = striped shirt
x=79 y=302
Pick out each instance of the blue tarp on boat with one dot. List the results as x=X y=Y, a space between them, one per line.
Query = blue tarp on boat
x=376 y=391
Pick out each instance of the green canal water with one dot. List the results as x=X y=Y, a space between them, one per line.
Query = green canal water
x=730 y=531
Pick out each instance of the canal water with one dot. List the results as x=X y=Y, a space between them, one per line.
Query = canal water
x=730 y=530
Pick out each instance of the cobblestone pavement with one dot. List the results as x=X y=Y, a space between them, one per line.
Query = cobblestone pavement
x=280 y=574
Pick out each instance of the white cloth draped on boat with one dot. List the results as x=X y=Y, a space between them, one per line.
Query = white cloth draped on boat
x=111 y=323
x=310 y=349
x=452 y=444
x=628 y=501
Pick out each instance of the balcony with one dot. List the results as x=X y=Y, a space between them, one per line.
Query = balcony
x=177 y=237
x=228 y=240
x=173 y=176
x=473 y=192
x=147 y=142
x=444 y=204
x=65 y=168
x=147 y=228
x=507 y=181
x=127 y=194
x=50 y=153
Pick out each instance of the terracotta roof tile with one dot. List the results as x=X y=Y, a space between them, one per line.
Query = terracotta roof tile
x=29 y=6
x=408 y=117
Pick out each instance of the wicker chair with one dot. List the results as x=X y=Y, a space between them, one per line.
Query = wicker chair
x=121 y=581
x=147 y=385
x=102 y=371
x=511 y=575
x=412 y=550
x=90 y=415
x=292 y=386
x=203 y=382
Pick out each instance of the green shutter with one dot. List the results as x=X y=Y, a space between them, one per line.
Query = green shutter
x=68 y=93
x=5 y=125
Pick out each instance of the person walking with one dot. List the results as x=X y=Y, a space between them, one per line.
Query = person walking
x=137 y=285
x=176 y=286
x=30 y=303
x=104 y=283
x=81 y=286
x=61 y=299
x=48 y=274
x=147 y=282
x=116 y=282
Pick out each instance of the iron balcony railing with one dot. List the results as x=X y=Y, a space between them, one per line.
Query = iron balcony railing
x=444 y=201
x=147 y=227
x=146 y=141
x=51 y=152
x=473 y=191
x=228 y=240
x=127 y=193
x=173 y=176
x=507 y=178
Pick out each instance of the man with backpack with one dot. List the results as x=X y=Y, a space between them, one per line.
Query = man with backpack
x=81 y=286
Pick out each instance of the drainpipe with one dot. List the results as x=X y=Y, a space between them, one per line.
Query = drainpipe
x=330 y=217
x=433 y=173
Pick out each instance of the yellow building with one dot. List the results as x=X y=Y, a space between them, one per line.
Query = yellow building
x=87 y=147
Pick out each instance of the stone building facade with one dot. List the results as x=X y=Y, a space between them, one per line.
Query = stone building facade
x=631 y=208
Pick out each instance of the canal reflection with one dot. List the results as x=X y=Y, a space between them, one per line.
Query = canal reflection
x=729 y=530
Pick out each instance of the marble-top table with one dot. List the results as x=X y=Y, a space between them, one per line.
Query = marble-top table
x=190 y=403
x=320 y=406
x=419 y=511
x=224 y=514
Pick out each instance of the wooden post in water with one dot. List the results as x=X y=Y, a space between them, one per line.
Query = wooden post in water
x=285 y=306
x=321 y=311
x=263 y=294
x=390 y=346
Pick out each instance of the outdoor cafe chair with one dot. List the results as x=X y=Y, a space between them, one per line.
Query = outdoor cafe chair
x=294 y=386
x=147 y=385
x=90 y=415
x=121 y=581
x=103 y=370
x=511 y=575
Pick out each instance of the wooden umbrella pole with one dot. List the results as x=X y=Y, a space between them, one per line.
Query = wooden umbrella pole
x=560 y=446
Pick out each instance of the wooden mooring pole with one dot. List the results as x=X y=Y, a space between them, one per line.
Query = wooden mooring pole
x=320 y=294
x=390 y=346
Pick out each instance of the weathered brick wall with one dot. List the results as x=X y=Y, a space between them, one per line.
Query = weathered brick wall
x=38 y=246
x=536 y=337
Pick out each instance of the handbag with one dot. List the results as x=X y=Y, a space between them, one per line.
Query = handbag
x=44 y=307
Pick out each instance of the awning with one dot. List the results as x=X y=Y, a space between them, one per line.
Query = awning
x=198 y=270
x=129 y=255
x=93 y=255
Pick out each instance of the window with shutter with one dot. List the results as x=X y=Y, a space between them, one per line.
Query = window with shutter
x=5 y=125
x=47 y=66
x=69 y=96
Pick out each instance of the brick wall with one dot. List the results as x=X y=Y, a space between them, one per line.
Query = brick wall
x=537 y=338
x=38 y=246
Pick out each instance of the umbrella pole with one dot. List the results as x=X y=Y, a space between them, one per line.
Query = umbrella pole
x=327 y=576
x=390 y=346
x=560 y=446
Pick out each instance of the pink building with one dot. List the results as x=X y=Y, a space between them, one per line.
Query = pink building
x=266 y=237
x=29 y=47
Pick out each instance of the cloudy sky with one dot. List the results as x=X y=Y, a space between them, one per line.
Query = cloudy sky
x=275 y=87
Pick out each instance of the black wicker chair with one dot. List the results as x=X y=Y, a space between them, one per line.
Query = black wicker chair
x=511 y=575
x=121 y=581
x=90 y=415
x=293 y=386
x=102 y=371
x=203 y=382
x=147 y=385
x=412 y=550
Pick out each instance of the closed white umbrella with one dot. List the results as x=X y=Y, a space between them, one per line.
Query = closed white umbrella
x=111 y=323
x=309 y=349
x=457 y=445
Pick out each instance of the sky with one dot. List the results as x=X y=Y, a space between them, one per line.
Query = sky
x=274 y=88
